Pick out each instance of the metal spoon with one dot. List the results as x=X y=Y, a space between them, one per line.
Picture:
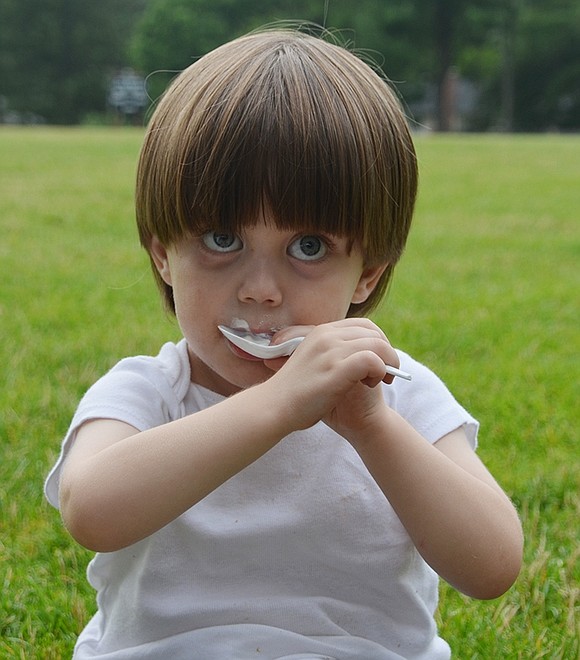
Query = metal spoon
x=258 y=346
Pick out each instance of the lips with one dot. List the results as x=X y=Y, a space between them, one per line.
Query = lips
x=264 y=329
x=238 y=352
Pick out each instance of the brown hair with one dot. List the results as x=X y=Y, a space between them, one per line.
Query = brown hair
x=286 y=120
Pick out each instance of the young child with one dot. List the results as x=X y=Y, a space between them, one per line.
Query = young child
x=297 y=507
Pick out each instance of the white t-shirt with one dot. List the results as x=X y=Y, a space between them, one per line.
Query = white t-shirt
x=299 y=556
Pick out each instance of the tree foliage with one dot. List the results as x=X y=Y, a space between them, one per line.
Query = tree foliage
x=173 y=33
x=56 y=56
x=547 y=85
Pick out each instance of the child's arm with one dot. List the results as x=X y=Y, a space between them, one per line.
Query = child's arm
x=460 y=520
x=119 y=485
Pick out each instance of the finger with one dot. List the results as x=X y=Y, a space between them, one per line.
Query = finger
x=371 y=382
x=276 y=364
x=290 y=332
x=377 y=345
x=360 y=323
x=364 y=366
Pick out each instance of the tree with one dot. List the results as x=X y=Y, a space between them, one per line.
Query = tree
x=547 y=74
x=173 y=33
x=56 y=55
x=421 y=42
x=528 y=66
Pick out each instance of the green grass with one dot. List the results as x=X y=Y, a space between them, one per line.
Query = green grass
x=486 y=294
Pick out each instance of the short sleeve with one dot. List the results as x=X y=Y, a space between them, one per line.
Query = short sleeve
x=142 y=391
x=427 y=404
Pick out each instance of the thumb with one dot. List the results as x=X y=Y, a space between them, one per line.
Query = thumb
x=371 y=382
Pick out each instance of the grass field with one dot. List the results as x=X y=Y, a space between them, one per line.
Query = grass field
x=487 y=295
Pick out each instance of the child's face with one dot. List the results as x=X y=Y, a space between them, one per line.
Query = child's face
x=267 y=277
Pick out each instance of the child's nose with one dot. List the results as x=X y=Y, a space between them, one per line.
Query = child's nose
x=261 y=285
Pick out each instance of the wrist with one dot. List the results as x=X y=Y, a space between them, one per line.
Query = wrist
x=267 y=402
x=378 y=428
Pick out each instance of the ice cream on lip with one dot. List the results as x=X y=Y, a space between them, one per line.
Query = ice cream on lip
x=259 y=346
x=242 y=327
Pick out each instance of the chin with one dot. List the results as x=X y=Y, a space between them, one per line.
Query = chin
x=228 y=381
x=259 y=374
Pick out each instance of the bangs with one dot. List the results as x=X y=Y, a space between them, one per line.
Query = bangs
x=280 y=128
x=285 y=143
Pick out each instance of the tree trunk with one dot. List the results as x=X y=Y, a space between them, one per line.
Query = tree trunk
x=509 y=35
x=444 y=29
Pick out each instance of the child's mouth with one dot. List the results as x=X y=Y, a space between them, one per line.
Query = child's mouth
x=244 y=355
x=258 y=344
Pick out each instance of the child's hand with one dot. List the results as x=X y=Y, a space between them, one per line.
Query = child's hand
x=332 y=376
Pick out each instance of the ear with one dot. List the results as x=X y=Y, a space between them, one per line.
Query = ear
x=158 y=253
x=367 y=283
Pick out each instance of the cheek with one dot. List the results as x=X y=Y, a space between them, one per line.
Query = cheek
x=189 y=300
x=183 y=304
x=344 y=288
x=330 y=303
x=340 y=286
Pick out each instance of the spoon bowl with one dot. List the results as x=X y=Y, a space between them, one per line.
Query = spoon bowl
x=258 y=345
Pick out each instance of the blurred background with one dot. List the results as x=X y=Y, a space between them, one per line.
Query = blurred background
x=459 y=65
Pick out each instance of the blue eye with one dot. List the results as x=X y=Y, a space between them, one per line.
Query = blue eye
x=308 y=248
x=221 y=241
